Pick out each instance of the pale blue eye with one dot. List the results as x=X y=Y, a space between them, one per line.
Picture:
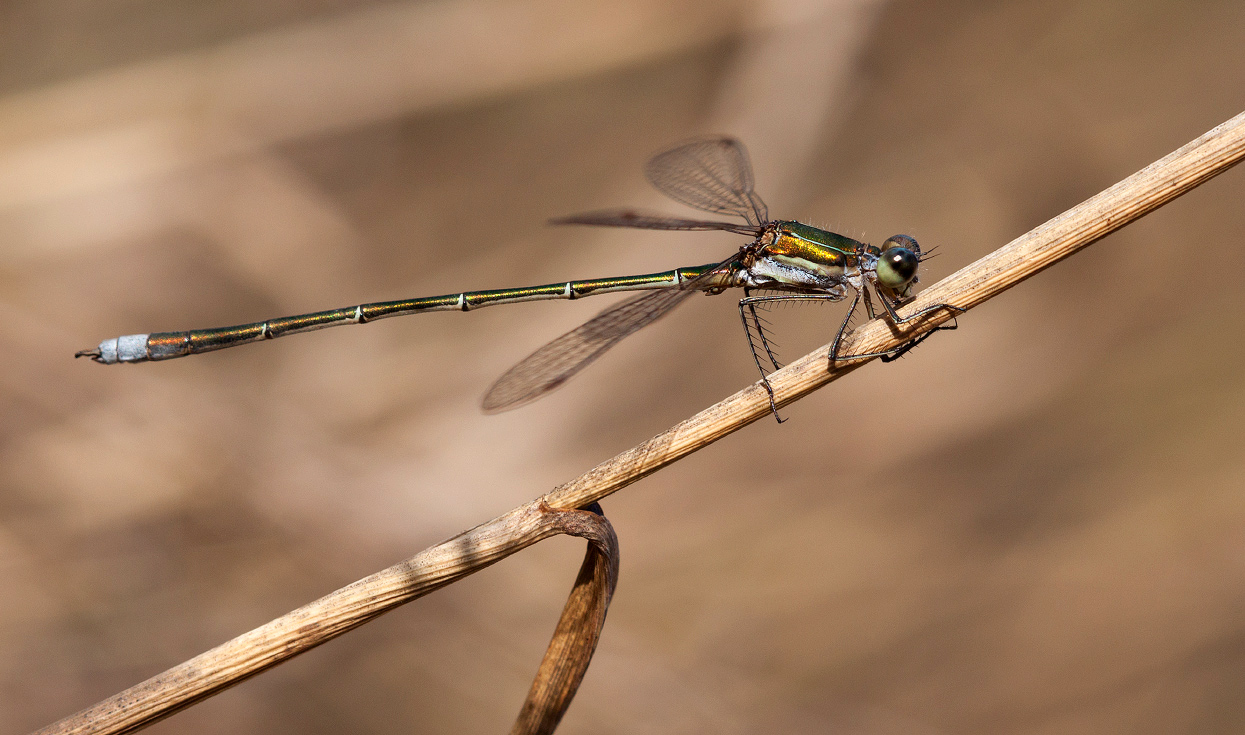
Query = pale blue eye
x=897 y=265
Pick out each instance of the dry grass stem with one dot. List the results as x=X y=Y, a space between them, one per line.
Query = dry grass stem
x=437 y=566
x=351 y=606
x=575 y=638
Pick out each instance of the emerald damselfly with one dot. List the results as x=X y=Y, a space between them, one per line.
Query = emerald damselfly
x=790 y=260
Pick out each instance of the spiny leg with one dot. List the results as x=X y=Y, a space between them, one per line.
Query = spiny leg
x=743 y=317
x=838 y=337
x=760 y=326
x=900 y=351
x=745 y=303
x=834 y=348
x=903 y=349
x=869 y=304
x=749 y=302
x=911 y=345
x=896 y=319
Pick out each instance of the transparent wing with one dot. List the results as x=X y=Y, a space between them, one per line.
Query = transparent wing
x=555 y=363
x=629 y=218
x=710 y=174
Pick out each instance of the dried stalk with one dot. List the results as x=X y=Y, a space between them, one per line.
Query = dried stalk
x=575 y=638
x=351 y=606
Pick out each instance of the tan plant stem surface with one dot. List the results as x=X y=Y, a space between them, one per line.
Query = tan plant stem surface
x=351 y=606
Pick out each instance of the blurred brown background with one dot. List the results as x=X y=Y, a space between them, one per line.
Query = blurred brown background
x=1035 y=524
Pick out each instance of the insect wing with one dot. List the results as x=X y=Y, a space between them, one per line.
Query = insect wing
x=710 y=174
x=555 y=363
x=629 y=218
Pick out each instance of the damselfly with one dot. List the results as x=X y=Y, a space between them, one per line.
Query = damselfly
x=796 y=261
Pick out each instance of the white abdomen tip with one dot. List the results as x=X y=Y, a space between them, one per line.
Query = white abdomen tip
x=130 y=348
x=107 y=351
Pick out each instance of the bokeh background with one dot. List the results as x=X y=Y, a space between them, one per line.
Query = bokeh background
x=1035 y=524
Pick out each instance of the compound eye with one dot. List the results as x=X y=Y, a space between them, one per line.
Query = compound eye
x=897 y=266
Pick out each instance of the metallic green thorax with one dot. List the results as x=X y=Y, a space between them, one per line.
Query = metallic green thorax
x=818 y=237
x=810 y=255
x=804 y=242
